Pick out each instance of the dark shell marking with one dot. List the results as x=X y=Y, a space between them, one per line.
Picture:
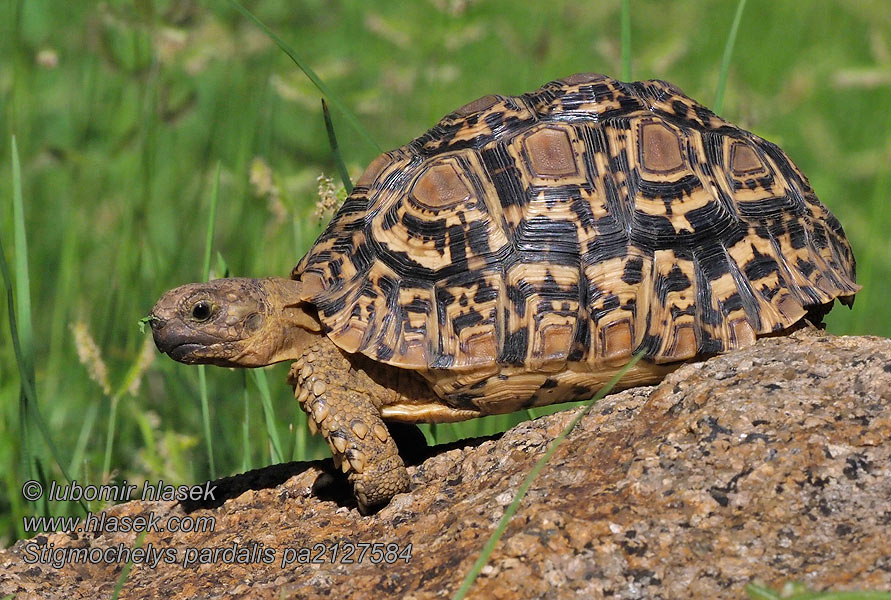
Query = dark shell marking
x=548 y=236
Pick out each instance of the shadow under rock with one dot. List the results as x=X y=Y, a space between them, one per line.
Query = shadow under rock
x=331 y=484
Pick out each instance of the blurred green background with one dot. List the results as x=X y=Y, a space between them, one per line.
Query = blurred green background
x=123 y=109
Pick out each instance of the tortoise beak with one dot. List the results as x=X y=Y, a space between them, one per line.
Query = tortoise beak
x=175 y=338
x=165 y=338
x=178 y=343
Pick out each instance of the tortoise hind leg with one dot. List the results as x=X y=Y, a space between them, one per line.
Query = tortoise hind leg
x=340 y=403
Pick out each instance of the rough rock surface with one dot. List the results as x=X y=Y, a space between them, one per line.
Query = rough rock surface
x=771 y=463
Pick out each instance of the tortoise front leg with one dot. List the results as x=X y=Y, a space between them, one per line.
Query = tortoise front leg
x=340 y=403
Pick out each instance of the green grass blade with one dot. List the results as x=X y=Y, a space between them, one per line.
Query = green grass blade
x=205 y=273
x=22 y=277
x=22 y=341
x=125 y=572
x=109 y=438
x=435 y=437
x=17 y=507
x=80 y=446
x=757 y=592
x=300 y=442
x=246 y=463
x=527 y=482
x=335 y=149
x=275 y=447
x=799 y=592
x=132 y=373
x=728 y=53
x=205 y=420
x=211 y=225
x=222 y=267
x=320 y=85
x=626 y=40
x=879 y=211
x=29 y=409
x=54 y=451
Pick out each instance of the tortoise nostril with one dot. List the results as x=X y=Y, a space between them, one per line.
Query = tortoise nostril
x=156 y=322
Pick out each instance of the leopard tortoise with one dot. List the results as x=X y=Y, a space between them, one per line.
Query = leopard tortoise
x=518 y=254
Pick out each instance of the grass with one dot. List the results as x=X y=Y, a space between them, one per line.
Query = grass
x=540 y=464
x=202 y=369
x=30 y=421
x=728 y=54
x=335 y=149
x=798 y=591
x=311 y=74
x=122 y=110
x=626 y=40
x=125 y=571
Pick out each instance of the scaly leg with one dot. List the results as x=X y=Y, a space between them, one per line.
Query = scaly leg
x=343 y=403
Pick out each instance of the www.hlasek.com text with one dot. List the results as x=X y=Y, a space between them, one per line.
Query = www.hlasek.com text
x=104 y=522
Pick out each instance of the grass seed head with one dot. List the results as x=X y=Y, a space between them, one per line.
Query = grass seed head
x=146 y=357
x=90 y=356
x=330 y=198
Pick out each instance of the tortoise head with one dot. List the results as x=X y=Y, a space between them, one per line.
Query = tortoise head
x=236 y=322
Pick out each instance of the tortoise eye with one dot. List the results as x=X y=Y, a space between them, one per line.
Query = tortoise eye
x=202 y=310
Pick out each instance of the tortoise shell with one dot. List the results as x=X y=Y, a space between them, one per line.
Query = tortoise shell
x=569 y=227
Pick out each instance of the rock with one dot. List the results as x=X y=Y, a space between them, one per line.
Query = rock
x=771 y=464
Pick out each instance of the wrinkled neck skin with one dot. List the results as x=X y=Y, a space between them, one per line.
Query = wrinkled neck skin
x=237 y=322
